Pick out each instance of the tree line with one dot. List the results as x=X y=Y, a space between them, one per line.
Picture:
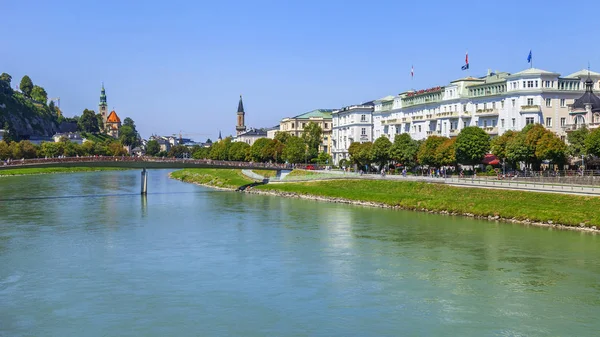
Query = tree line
x=532 y=146
x=283 y=148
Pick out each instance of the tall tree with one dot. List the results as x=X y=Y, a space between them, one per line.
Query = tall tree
x=427 y=150
x=88 y=122
x=10 y=135
x=51 y=106
x=361 y=154
x=577 y=142
x=39 y=94
x=256 y=150
x=550 y=147
x=6 y=78
x=273 y=151
x=179 y=151
x=518 y=151
x=127 y=136
x=129 y=122
x=381 y=151
x=294 y=150
x=152 y=147
x=472 y=144
x=446 y=153
x=4 y=150
x=592 y=143
x=404 y=150
x=238 y=151
x=312 y=138
x=282 y=136
x=26 y=85
x=220 y=150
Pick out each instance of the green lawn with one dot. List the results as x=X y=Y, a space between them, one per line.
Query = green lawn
x=45 y=170
x=224 y=178
x=266 y=173
x=563 y=209
x=302 y=173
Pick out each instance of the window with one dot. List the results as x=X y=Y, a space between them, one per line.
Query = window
x=524 y=85
x=563 y=121
x=513 y=102
x=562 y=103
x=536 y=84
x=476 y=107
x=493 y=122
x=455 y=107
x=493 y=105
x=548 y=122
x=502 y=122
x=464 y=108
x=530 y=101
x=502 y=104
x=485 y=123
x=303 y=125
x=419 y=128
x=548 y=102
x=514 y=122
x=292 y=125
x=484 y=106
x=363 y=118
x=529 y=84
x=363 y=131
x=529 y=120
x=325 y=125
x=464 y=124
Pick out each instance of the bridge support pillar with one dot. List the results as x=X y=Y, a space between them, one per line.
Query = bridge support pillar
x=144 y=182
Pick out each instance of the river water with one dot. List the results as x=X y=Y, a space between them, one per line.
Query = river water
x=85 y=255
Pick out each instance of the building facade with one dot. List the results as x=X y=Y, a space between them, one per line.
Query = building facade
x=103 y=107
x=250 y=136
x=322 y=117
x=497 y=102
x=241 y=118
x=112 y=124
x=350 y=124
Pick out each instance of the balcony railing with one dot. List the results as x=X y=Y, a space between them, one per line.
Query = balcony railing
x=491 y=130
x=530 y=108
x=434 y=132
x=454 y=132
x=447 y=114
x=487 y=112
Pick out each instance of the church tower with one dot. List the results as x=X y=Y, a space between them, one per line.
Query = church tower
x=102 y=106
x=241 y=126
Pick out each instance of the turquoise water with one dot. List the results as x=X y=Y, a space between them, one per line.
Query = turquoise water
x=85 y=255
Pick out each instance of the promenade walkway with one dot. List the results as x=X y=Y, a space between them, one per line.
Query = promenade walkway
x=480 y=182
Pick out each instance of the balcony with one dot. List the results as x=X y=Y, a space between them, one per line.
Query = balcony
x=434 y=132
x=491 y=130
x=525 y=109
x=405 y=119
x=487 y=112
x=454 y=133
x=418 y=118
x=573 y=127
x=447 y=114
x=429 y=117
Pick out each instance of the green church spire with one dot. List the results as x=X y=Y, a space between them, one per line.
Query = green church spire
x=103 y=96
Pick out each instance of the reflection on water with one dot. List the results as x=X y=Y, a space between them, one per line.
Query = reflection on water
x=187 y=261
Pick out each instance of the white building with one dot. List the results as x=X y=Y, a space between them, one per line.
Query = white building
x=350 y=124
x=496 y=102
x=250 y=136
x=73 y=137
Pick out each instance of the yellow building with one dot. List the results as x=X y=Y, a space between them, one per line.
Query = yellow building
x=322 y=117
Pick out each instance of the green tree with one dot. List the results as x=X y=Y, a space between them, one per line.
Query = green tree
x=381 y=151
x=577 y=142
x=533 y=135
x=87 y=148
x=50 y=150
x=52 y=107
x=88 y=122
x=179 y=151
x=4 y=150
x=294 y=150
x=152 y=147
x=472 y=144
x=446 y=153
x=498 y=145
x=100 y=122
x=273 y=151
x=116 y=149
x=404 y=150
x=10 y=135
x=28 y=149
x=238 y=151
x=282 y=136
x=256 y=150
x=129 y=122
x=592 y=143
x=203 y=152
x=39 y=94
x=428 y=150
x=26 y=86
x=517 y=150
x=128 y=136
x=361 y=154
x=550 y=147
x=324 y=158
x=6 y=78
x=72 y=149
x=311 y=135
x=15 y=150
x=220 y=150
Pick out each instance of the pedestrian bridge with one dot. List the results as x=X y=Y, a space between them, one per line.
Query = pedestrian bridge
x=139 y=162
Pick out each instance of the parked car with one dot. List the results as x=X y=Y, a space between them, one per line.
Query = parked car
x=310 y=167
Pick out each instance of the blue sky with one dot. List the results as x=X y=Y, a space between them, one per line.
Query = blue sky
x=181 y=65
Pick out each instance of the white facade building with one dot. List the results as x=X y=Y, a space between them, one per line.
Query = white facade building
x=497 y=102
x=350 y=124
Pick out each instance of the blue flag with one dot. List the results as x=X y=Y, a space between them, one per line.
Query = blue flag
x=529 y=57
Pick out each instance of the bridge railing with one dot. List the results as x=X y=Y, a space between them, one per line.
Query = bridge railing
x=97 y=159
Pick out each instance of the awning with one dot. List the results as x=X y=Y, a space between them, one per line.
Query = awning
x=490 y=159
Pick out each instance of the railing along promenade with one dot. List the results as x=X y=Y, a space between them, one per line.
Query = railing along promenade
x=135 y=162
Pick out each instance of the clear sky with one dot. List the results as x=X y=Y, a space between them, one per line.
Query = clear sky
x=181 y=65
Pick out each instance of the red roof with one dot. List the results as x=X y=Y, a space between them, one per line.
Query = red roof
x=113 y=118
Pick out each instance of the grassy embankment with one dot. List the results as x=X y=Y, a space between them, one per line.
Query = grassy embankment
x=520 y=205
x=302 y=173
x=266 y=173
x=47 y=170
x=221 y=178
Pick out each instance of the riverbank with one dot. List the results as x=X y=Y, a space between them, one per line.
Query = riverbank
x=529 y=208
x=52 y=170
x=225 y=179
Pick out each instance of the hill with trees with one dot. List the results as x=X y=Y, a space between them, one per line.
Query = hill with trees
x=26 y=113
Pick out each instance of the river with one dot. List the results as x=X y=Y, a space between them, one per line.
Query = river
x=85 y=255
